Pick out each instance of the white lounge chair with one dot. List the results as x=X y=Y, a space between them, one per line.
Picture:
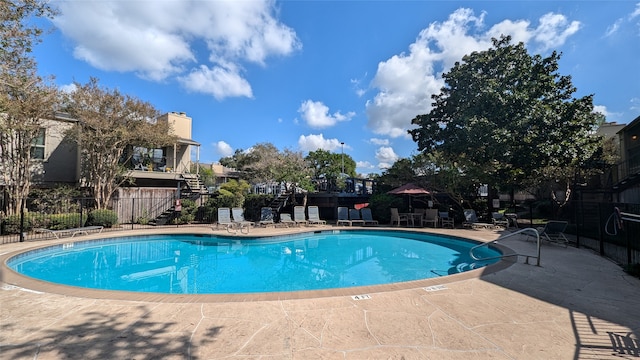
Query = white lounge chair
x=224 y=219
x=285 y=219
x=499 y=219
x=299 y=216
x=314 y=216
x=239 y=220
x=471 y=220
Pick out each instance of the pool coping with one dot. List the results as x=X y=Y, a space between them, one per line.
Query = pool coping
x=13 y=278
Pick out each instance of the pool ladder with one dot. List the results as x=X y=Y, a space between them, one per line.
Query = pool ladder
x=530 y=230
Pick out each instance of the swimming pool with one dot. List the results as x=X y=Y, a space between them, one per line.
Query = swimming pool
x=213 y=264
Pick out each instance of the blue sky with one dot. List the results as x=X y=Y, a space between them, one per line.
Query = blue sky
x=306 y=75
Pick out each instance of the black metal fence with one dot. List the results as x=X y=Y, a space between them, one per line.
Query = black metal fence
x=599 y=226
x=127 y=214
x=596 y=225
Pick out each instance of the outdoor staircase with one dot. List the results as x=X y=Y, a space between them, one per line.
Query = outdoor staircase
x=279 y=202
x=195 y=187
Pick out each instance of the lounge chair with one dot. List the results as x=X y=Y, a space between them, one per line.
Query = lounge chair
x=471 y=220
x=354 y=217
x=285 y=219
x=397 y=218
x=498 y=219
x=367 y=217
x=314 y=216
x=239 y=220
x=553 y=232
x=73 y=231
x=343 y=216
x=299 y=216
x=266 y=217
x=430 y=217
x=224 y=219
x=445 y=220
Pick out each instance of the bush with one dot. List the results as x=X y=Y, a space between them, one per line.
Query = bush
x=102 y=217
x=65 y=221
x=380 y=205
x=11 y=224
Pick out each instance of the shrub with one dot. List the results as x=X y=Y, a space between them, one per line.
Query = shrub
x=103 y=217
x=65 y=221
x=380 y=205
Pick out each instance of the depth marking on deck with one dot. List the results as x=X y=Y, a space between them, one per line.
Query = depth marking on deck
x=361 y=297
x=435 y=288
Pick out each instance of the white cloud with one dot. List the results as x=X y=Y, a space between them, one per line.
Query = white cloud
x=377 y=141
x=156 y=42
x=68 y=88
x=611 y=30
x=405 y=82
x=314 y=142
x=636 y=11
x=386 y=157
x=553 y=31
x=316 y=115
x=218 y=81
x=223 y=149
x=364 y=165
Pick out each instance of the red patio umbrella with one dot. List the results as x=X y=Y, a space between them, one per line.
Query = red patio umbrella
x=409 y=189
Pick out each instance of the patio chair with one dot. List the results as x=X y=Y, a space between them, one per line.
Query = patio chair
x=498 y=219
x=367 y=217
x=397 y=218
x=471 y=220
x=354 y=217
x=553 y=232
x=445 y=220
x=314 y=216
x=298 y=215
x=343 y=216
x=266 y=217
x=239 y=220
x=285 y=219
x=430 y=216
x=224 y=219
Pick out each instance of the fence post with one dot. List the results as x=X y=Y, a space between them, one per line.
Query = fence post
x=600 y=232
x=22 y=219
x=133 y=206
x=80 y=220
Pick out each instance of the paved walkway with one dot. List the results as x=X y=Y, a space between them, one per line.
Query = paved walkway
x=576 y=305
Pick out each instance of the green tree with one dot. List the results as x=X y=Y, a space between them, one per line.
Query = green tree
x=109 y=122
x=506 y=117
x=26 y=99
x=328 y=166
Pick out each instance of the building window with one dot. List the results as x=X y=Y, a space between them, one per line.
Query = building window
x=37 y=146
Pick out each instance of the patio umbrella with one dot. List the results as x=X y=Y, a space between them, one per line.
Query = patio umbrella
x=410 y=189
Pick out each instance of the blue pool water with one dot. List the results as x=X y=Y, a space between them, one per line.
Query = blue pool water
x=203 y=264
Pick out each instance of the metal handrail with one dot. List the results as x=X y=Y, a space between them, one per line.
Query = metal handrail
x=537 y=257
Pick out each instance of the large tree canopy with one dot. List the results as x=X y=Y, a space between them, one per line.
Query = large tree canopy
x=26 y=99
x=110 y=122
x=505 y=117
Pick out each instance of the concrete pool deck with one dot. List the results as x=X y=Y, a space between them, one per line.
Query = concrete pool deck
x=576 y=305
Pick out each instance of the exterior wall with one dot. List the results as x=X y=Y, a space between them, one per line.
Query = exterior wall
x=180 y=125
x=61 y=162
